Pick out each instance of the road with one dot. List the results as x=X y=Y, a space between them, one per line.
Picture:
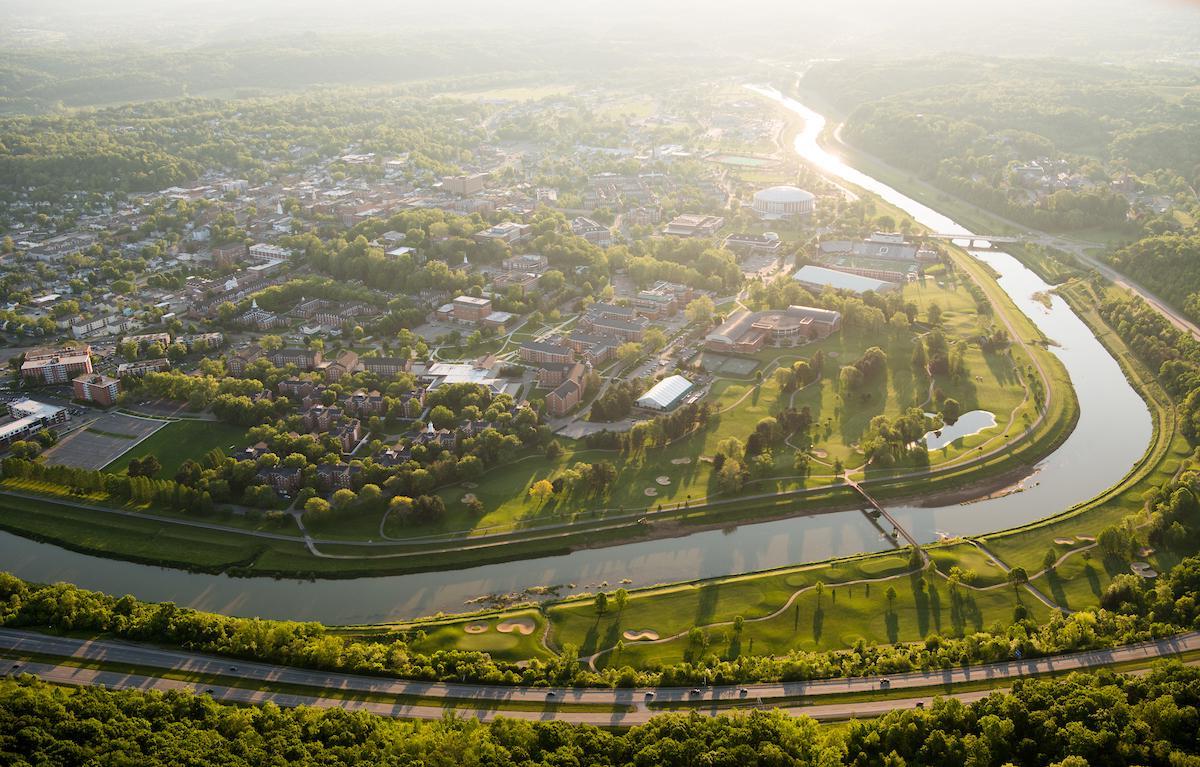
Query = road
x=479 y=701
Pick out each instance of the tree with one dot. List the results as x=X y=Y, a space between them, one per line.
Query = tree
x=620 y=597
x=344 y=498
x=601 y=603
x=700 y=310
x=316 y=506
x=629 y=353
x=951 y=411
x=653 y=340
x=934 y=314
x=1017 y=577
x=541 y=490
x=890 y=594
x=1049 y=560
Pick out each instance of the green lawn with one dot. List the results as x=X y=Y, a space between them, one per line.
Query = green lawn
x=180 y=440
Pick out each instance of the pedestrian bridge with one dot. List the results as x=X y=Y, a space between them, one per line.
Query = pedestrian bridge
x=979 y=241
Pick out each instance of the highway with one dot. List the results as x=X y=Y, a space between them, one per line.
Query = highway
x=480 y=701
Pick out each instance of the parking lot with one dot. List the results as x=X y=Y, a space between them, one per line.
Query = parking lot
x=102 y=441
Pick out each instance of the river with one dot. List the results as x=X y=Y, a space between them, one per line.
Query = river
x=1113 y=432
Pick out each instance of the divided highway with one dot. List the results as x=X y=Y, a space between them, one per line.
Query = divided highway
x=630 y=706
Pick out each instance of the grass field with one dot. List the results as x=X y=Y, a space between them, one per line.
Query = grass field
x=180 y=440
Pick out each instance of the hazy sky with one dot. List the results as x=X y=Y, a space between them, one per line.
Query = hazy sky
x=1066 y=27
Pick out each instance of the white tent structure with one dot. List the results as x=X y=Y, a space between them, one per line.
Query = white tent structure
x=665 y=394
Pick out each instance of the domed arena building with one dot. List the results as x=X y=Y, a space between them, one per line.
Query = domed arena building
x=779 y=202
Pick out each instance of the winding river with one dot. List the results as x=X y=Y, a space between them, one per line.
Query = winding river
x=1113 y=431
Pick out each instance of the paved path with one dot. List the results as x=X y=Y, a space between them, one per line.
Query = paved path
x=478 y=701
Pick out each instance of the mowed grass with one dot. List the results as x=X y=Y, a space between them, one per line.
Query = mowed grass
x=675 y=609
x=431 y=636
x=127 y=537
x=180 y=440
x=1169 y=450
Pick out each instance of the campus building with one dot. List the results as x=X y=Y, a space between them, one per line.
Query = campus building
x=746 y=332
x=28 y=418
x=56 y=366
x=97 y=388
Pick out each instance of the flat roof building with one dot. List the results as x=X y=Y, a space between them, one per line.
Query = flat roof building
x=818 y=278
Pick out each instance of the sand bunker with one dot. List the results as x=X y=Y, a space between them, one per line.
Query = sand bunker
x=475 y=628
x=469 y=498
x=681 y=461
x=519 y=625
x=651 y=491
x=1145 y=551
x=1064 y=541
x=664 y=480
x=817 y=453
x=640 y=636
x=1086 y=538
x=1143 y=569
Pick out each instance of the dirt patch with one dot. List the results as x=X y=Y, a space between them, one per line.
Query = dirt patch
x=517 y=625
x=640 y=636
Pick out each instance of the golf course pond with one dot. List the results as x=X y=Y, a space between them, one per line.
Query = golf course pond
x=1086 y=463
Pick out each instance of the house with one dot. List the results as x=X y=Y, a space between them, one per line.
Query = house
x=97 y=388
x=139 y=368
x=564 y=398
x=55 y=366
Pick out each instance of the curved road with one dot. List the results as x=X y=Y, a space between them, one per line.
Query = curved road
x=466 y=699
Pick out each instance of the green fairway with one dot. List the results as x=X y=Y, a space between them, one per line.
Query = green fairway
x=180 y=440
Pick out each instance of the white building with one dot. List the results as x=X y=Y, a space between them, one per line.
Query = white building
x=665 y=394
x=779 y=202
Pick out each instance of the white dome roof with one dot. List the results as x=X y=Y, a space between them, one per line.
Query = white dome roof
x=784 y=194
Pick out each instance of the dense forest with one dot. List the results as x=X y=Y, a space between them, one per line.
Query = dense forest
x=964 y=123
x=1097 y=720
